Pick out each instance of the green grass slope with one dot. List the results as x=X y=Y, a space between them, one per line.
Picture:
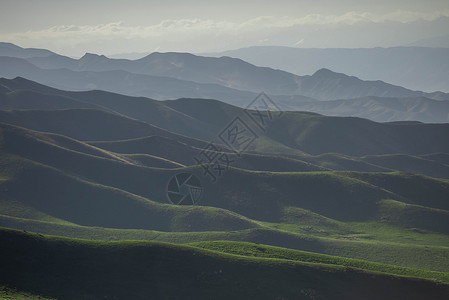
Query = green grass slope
x=7 y=293
x=424 y=165
x=258 y=250
x=56 y=181
x=74 y=269
x=316 y=134
x=53 y=193
x=435 y=165
x=184 y=154
x=373 y=242
x=346 y=196
x=293 y=132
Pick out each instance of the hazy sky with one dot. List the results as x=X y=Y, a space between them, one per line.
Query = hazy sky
x=108 y=27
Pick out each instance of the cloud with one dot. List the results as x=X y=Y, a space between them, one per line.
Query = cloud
x=298 y=43
x=197 y=34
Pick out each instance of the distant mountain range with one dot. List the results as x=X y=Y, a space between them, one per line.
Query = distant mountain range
x=417 y=68
x=233 y=73
x=174 y=75
x=8 y=49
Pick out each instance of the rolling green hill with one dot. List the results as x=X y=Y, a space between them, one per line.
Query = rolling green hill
x=430 y=165
x=184 y=154
x=375 y=242
x=291 y=133
x=61 y=183
x=258 y=250
x=334 y=186
x=73 y=269
x=83 y=124
x=345 y=193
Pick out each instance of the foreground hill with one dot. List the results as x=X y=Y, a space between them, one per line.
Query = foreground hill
x=139 y=270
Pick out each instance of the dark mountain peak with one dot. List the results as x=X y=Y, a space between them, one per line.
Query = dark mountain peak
x=19 y=81
x=327 y=74
x=92 y=56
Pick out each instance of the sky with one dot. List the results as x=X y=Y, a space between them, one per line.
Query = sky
x=109 y=27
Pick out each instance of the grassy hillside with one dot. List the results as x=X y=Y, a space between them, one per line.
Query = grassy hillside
x=114 y=188
x=184 y=154
x=60 y=195
x=423 y=164
x=257 y=195
x=258 y=250
x=33 y=191
x=26 y=99
x=316 y=208
x=7 y=293
x=430 y=165
x=83 y=124
x=293 y=132
x=139 y=270
x=315 y=134
x=375 y=242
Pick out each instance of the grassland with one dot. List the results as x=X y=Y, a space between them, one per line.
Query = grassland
x=258 y=250
x=7 y=293
x=390 y=244
x=52 y=185
x=73 y=269
x=291 y=217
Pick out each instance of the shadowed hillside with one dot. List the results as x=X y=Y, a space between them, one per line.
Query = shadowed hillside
x=257 y=195
x=140 y=270
x=99 y=165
